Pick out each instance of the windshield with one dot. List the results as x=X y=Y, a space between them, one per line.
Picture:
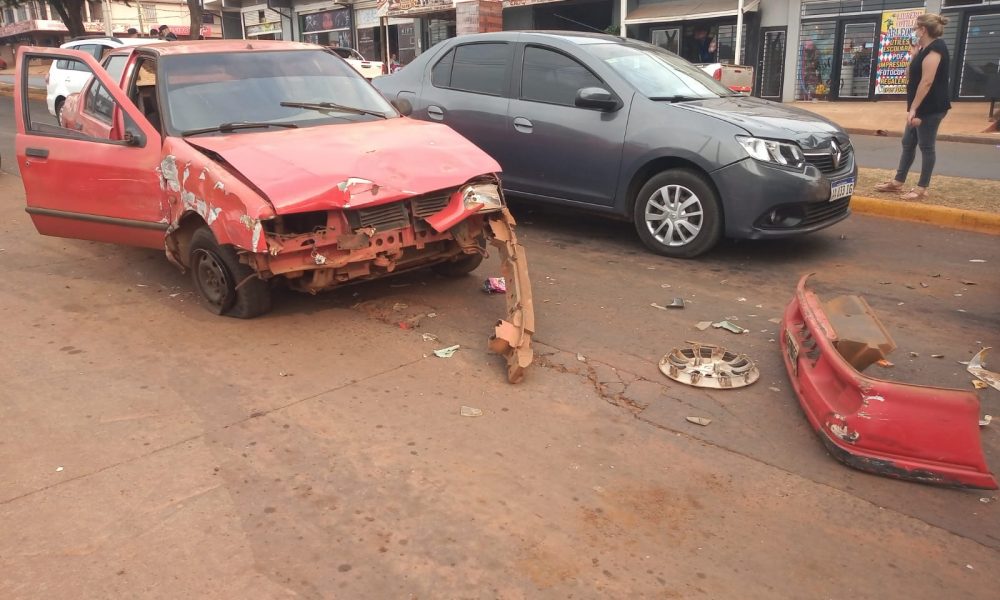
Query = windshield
x=656 y=73
x=206 y=90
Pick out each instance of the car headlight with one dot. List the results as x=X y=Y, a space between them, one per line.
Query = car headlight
x=484 y=197
x=785 y=154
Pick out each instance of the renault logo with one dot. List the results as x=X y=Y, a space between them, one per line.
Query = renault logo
x=835 y=153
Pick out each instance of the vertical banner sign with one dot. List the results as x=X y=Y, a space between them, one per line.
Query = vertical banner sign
x=894 y=51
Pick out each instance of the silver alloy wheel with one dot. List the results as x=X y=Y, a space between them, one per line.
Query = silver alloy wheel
x=674 y=215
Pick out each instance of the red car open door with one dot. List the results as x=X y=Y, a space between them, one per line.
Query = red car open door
x=100 y=184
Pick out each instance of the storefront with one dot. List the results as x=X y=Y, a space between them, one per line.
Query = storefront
x=701 y=31
x=331 y=27
x=973 y=36
x=430 y=21
x=366 y=28
x=261 y=23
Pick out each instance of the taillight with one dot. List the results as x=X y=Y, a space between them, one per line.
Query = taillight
x=718 y=74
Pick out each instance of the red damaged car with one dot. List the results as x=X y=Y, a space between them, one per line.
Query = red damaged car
x=252 y=162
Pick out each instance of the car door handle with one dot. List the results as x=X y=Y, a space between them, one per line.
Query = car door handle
x=523 y=125
x=37 y=152
x=435 y=113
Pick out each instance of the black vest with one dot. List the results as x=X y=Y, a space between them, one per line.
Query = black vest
x=936 y=100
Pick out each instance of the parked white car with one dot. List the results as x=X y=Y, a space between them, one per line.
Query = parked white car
x=738 y=78
x=66 y=77
x=369 y=69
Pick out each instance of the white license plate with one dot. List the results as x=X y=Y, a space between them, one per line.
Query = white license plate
x=792 y=348
x=841 y=188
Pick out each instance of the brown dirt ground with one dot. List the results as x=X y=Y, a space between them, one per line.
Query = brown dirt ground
x=956 y=192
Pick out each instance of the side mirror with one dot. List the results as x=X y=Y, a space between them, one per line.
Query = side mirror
x=597 y=98
x=403 y=106
x=133 y=136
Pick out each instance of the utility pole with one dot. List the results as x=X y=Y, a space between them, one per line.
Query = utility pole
x=739 y=30
x=108 y=28
x=142 y=25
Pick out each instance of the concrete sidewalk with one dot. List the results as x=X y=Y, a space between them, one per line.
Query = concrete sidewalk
x=966 y=121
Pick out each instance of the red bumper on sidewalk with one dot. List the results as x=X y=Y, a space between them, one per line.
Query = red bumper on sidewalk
x=924 y=434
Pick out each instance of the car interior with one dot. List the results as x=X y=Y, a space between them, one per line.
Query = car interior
x=143 y=93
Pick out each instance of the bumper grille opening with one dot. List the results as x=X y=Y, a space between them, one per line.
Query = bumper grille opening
x=430 y=205
x=824 y=161
x=382 y=218
x=796 y=216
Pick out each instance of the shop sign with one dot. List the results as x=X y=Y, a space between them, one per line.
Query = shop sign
x=263 y=28
x=366 y=18
x=513 y=3
x=894 y=51
x=21 y=27
x=330 y=20
x=399 y=8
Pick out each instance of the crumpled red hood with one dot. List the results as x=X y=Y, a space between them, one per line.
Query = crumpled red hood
x=317 y=168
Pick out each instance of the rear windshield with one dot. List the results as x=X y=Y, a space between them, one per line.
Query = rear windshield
x=208 y=89
x=656 y=73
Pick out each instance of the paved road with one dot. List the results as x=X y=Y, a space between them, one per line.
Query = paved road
x=978 y=161
x=959 y=160
x=319 y=451
x=35 y=81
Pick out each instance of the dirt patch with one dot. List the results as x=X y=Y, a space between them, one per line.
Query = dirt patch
x=955 y=192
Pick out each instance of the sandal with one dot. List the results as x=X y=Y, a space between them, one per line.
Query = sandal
x=889 y=186
x=916 y=193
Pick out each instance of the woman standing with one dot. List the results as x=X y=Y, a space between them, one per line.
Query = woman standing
x=927 y=104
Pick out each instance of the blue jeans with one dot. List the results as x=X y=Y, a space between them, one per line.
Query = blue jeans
x=923 y=135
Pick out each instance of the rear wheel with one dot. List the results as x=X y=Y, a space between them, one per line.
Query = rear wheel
x=677 y=214
x=216 y=271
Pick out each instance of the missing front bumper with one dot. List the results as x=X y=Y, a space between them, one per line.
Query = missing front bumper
x=512 y=335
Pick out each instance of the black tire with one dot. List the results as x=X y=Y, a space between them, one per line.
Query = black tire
x=459 y=267
x=59 y=106
x=685 y=230
x=216 y=271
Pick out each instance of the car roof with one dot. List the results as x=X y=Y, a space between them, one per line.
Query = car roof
x=110 y=41
x=581 y=38
x=215 y=46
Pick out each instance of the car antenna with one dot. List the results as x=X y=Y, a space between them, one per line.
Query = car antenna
x=580 y=24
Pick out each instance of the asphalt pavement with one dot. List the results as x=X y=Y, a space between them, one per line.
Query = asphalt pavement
x=978 y=161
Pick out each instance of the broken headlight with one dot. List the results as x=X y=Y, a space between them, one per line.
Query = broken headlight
x=785 y=154
x=484 y=197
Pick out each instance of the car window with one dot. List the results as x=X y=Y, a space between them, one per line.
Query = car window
x=98 y=102
x=94 y=50
x=115 y=66
x=552 y=77
x=656 y=73
x=478 y=68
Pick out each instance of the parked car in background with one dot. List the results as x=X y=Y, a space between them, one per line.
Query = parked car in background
x=738 y=78
x=67 y=77
x=368 y=68
x=628 y=129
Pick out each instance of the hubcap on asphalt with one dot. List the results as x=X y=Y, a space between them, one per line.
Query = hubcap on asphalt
x=211 y=277
x=674 y=215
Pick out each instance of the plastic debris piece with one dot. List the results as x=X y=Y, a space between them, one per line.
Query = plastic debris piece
x=446 y=352
x=703 y=421
x=709 y=366
x=977 y=367
x=665 y=286
x=774 y=389
x=985 y=420
x=703 y=325
x=400 y=306
x=581 y=358
x=470 y=411
x=429 y=337
x=884 y=363
x=924 y=285
x=976 y=260
x=979 y=385
x=284 y=374
x=987 y=499
x=937 y=355
x=495 y=285
x=741 y=299
x=914 y=354
x=968 y=282
x=655 y=305
x=431 y=315
x=59 y=469
x=676 y=303
x=730 y=326
x=775 y=320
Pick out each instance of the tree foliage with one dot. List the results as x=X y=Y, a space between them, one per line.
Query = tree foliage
x=70 y=12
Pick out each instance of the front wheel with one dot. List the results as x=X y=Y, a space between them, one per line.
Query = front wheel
x=677 y=214
x=459 y=267
x=216 y=272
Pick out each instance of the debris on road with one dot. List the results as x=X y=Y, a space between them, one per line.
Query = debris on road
x=429 y=337
x=986 y=420
x=920 y=433
x=676 y=303
x=775 y=320
x=979 y=385
x=937 y=355
x=774 y=389
x=581 y=357
x=59 y=469
x=730 y=326
x=976 y=260
x=968 y=282
x=469 y=411
x=703 y=325
x=977 y=367
x=284 y=374
x=495 y=285
x=400 y=306
x=446 y=352
x=703 y=421
x=709 y=366
x=924 y=285
x=885 y=364
x=512 y=336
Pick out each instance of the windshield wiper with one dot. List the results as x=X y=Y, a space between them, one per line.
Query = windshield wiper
x=677 y=98
x=231 y=127
x=331 y=107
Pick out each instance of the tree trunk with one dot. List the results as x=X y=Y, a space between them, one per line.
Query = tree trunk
x=196 y=9
x=71 y=13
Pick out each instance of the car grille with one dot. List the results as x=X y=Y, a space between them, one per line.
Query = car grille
x=818 y=212
x=430 y=205
x=824 y=162
x=382 y=217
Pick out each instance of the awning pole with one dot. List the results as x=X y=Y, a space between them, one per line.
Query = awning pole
x=739 y=30
x=622 y=31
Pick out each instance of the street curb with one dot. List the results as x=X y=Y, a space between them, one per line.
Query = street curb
x=982 y=138
x=944 y=216
x=7 y=89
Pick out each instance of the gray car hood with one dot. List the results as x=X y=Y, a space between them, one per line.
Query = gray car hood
x=769 y=119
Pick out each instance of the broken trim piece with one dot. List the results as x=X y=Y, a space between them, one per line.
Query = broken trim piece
x=977 y=367
x=512 y=336
x=913 y=432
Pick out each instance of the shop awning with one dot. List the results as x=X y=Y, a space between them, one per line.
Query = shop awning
x=687 y=10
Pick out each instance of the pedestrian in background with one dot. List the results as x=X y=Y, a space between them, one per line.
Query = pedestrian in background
x=927 y=103
x=166 y=34
x=154 y=33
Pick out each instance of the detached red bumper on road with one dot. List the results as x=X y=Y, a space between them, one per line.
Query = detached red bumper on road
x=920 y=433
